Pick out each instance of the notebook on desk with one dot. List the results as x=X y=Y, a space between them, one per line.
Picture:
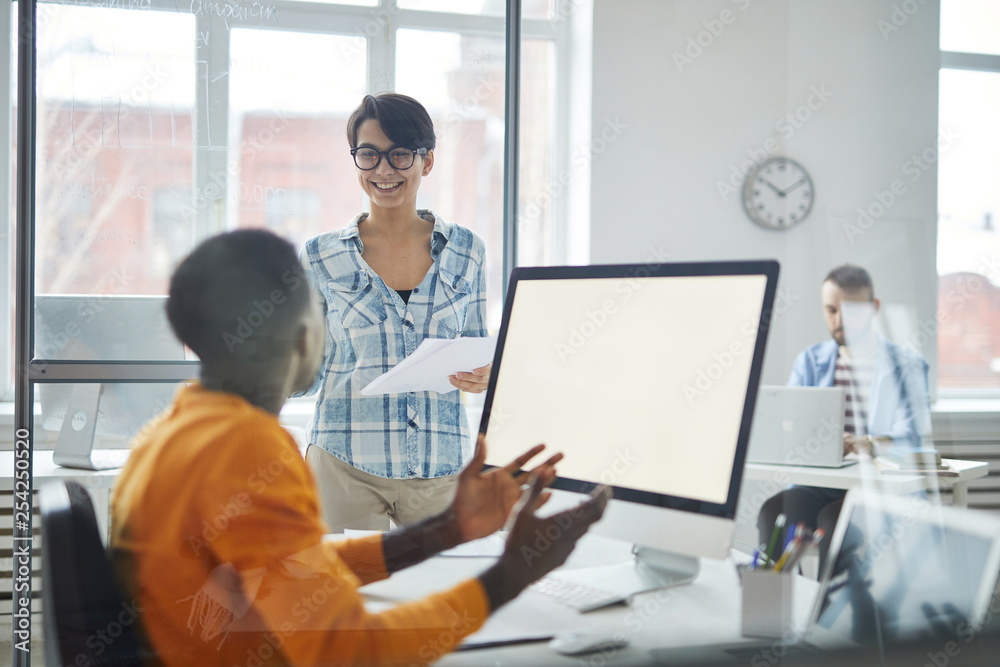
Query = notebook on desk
x=798 y=426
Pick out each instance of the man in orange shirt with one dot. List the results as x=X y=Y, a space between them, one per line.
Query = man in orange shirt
x=216 y=531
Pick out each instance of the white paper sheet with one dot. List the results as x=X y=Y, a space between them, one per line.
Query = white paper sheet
x=428 y=368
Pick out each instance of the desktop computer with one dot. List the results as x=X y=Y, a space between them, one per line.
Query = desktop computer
x=645 y=377
x=107 y=328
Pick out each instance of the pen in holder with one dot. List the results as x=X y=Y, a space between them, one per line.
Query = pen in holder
x=769 y=581
x=767 y=602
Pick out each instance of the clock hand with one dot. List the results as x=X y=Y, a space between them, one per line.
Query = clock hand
x=773 y=187
x=792 y=187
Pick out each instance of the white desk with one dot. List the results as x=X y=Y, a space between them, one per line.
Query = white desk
x=97 y=482
x=864 y=474
x=703 y=613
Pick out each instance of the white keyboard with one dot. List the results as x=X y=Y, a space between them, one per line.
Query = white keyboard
x=575 y=596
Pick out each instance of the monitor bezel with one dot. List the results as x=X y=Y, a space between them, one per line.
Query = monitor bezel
x=769 y=269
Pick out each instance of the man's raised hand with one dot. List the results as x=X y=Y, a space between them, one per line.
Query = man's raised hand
x=483 y=500
x=537 y=545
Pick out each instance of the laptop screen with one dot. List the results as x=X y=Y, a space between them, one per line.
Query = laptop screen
x=798 y=426
x=905 y=568
x=644 y=378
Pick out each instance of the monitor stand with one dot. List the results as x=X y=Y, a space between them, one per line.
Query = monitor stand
x=75 y=444
x=649 y=570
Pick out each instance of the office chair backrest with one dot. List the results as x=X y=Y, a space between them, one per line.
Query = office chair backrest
x=85 y=619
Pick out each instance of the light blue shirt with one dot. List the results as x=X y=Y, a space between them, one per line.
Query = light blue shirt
x=370 y=330
x=898 y=400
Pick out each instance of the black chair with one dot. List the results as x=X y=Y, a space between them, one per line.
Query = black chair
x=86 y=620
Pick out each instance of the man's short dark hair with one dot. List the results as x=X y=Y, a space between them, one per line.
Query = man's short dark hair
x=403 y=119
x=238 y=293
x=851 y=278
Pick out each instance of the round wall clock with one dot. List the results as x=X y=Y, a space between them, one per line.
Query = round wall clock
x=778 y=193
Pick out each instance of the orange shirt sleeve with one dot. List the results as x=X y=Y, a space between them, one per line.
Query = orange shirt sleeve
x=303 y=590
x=365 y=557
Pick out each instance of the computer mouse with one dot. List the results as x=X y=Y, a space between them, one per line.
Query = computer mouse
x=579 y=642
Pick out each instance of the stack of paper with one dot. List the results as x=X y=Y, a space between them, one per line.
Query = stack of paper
x=430 y=365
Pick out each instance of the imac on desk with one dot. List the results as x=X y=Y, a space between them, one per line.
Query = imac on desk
x=645 y=376
x=109 y=328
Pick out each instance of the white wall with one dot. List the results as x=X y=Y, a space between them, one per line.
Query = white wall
x=655 y=186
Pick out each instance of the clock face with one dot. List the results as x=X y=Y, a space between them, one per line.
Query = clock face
x=778 y=194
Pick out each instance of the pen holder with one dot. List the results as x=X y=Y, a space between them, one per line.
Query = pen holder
x=767 y=603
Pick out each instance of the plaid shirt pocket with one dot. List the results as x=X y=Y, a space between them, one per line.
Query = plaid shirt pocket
x=357 y=300
x=451 y=305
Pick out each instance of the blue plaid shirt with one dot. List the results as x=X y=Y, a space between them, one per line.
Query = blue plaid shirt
x=370 y=330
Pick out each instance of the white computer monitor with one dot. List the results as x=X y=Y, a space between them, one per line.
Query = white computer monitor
x=645 y=377
x=108 y=328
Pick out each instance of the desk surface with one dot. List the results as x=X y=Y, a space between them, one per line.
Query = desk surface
x=43 y=468
x=703 y=613
x=863 y=474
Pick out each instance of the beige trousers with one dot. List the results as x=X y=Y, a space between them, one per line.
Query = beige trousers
x=351 y=498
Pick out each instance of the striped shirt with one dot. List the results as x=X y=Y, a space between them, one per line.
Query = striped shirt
x=370 y=329
x=855 y=375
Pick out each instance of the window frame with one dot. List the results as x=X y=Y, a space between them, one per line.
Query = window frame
x=7 y=232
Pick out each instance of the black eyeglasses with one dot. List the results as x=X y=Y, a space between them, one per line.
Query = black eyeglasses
x=400 y=158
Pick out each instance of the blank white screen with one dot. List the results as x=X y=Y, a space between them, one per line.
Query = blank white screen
x=641 y=382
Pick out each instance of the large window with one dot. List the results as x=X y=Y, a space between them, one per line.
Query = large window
x=160 y=124
x=115 y=117
x=221 y=122
x=287 y=143
x=968 y=158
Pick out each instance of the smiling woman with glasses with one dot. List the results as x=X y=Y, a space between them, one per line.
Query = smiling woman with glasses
x=389 y=279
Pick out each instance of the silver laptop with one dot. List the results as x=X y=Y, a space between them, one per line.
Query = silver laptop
x=798 y=426
x=901 y=567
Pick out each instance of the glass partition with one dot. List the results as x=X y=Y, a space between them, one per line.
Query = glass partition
x=160 y=125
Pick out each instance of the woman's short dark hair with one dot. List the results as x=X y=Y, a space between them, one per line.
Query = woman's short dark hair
x=403 y=119
x=851 y=278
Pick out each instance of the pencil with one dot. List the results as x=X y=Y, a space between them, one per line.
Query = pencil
x=779 y=523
